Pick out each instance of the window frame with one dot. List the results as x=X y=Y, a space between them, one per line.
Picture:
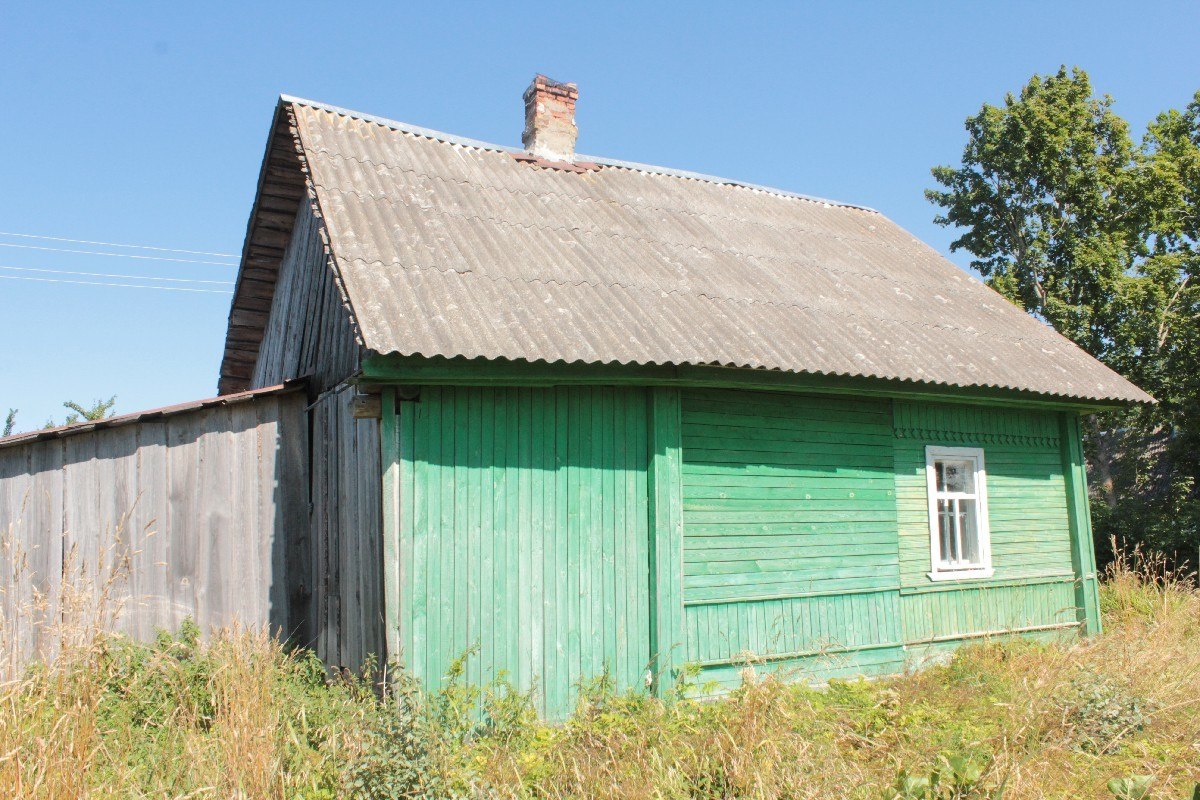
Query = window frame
x=937 y=571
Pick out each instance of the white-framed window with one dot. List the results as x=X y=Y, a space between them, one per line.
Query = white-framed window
x=958 y=521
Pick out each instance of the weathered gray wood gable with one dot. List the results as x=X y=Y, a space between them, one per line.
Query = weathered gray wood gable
x=308 y=335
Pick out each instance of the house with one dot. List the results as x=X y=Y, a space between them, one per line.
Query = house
x=574 y=415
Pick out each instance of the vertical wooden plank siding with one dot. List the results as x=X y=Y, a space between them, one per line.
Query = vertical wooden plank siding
x=392 y=575
x=308 y=333
x=1083 y=553
x=524 y=537
x=789 y=543
x=666 y=569
x=197 y=506
x=347 y=534
x=31 y=487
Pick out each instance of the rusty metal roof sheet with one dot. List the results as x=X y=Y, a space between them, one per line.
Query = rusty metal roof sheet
x=148 y=415
x=451 y=247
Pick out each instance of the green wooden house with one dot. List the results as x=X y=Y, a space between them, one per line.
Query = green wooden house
x=575 y=415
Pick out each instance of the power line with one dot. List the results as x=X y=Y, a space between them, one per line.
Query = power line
x=114 y=244
x=112 y=275
x=115 y=255
x=118 y=285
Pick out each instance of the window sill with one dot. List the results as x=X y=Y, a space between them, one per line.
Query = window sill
x=961 y=574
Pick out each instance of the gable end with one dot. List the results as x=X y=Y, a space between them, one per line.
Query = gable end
x=283 y=186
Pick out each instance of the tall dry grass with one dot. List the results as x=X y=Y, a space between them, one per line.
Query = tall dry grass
x=1013 y=719
x=87 y=713
x=235 y=715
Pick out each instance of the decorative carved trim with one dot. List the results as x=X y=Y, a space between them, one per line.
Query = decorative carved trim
x=970 y=437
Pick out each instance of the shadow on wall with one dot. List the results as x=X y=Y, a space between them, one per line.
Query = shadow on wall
x=199 y=513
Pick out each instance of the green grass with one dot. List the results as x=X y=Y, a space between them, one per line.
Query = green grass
x=238 y=716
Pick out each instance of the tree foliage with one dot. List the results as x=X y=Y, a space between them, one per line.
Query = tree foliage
x=1068 y=217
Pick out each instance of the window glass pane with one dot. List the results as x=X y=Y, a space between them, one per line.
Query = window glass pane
x=946 y=537
x=970 y=532
x=956 y=475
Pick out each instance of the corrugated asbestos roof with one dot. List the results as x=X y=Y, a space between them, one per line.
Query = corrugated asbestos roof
x=145 y=416
x=450 y=247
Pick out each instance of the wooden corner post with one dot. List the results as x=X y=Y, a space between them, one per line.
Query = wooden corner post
x=665 y=485
x=389 y=451
x=1083 y=551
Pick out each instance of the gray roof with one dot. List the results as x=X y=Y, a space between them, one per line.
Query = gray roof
x=451 y=247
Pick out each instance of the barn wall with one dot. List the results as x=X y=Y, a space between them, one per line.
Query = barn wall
x=308 y=332
x=347 y=562
x=207 y=505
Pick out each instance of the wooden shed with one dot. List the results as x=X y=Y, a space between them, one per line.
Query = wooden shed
x=575 y=415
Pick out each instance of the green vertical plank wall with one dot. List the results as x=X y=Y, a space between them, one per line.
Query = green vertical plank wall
x=789 y=534
x=524 y=534
x=1032 y=589
x=1083 y=553
x=666 y=551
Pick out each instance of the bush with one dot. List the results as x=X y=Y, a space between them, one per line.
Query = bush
x=1101 y=711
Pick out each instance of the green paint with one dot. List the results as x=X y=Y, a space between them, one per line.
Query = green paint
x=1027 y=507
x=986 y=609
x=526 y=536
x=570 y=530
x=417 y=370
x=667 y=522
x=1083 y=553
x=1028 y=516
x=789 y=532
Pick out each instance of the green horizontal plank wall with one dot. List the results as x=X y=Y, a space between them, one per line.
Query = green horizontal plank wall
x=790 y=542
x=1032 y=588
x=524 y=533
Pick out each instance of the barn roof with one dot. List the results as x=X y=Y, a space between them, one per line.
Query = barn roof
x=153 y=414
x=445 y=246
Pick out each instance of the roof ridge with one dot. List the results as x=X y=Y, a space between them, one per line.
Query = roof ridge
x=464 y=141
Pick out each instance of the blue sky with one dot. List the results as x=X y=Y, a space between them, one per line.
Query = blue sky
x=145 y=124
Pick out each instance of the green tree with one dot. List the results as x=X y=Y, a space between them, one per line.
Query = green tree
x=9 y=422
x=1067 y=217
x=1159 y=327
x=1042 y=196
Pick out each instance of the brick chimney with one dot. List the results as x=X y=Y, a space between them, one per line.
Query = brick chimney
x=550 y=130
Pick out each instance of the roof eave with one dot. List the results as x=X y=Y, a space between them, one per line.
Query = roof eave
x=286 y=184
x=415 y=369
